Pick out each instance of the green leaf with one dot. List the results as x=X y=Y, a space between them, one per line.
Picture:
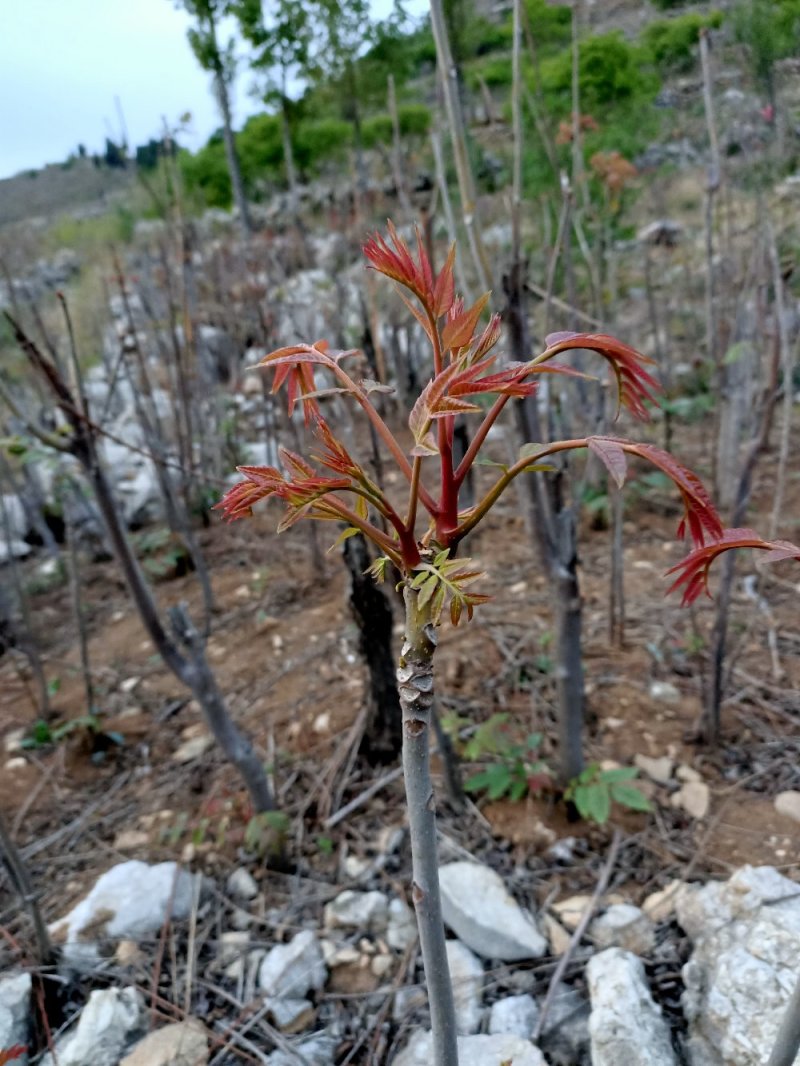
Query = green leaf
x=419 y=577
x=441 y=558
x=630 y=796
x=501 y=781
x=427 y=589
x=581 y=797
x=518 y=789
x=343 y=536
x=599 y=804
x=478 y=782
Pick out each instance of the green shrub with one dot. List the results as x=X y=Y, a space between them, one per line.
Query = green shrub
x=610 y=70
x=377 y=129
x=415 y=120
x=551 y=24
x=320 y=140
x=770 y=30
x=668 y=5
x=206 y=173
x=260 y=148
x=495 y=71
x=673 y=42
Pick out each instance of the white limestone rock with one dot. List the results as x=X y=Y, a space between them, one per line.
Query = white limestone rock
x=128 y=902
x=366 y=912
x=109 y=1022
x=178 y=1044
x=516 y=1015
x=15 y=1009
x=291 y=970
x=746 y=934
x=625 y=1025
x=479 y=910
x=491 y=1050
x=242 y=885
x=624 y=926
x=401 y=930
x=466 y=973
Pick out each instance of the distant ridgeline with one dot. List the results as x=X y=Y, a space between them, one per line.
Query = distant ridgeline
x=62 y=187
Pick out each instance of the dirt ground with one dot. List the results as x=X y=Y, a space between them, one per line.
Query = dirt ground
x=284 y=647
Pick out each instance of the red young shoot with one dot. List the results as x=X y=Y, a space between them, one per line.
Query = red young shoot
x=463 y=369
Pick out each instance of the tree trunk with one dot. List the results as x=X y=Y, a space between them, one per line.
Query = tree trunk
x=415 y=681
x=237 y=185
x=569 y=665
x=382 y=738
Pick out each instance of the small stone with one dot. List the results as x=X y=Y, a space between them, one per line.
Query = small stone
x=518 y=588
x=466 y=973
x=130 y=839
x=232 y=947
x=179 y=1044
x=624 y=926
x=338 y=954
x=241 y=919
x=687 y=773
x=613 y=723
x=13 y=741
x=788 y=804
x=660 y=906
x=354 y=867
x=129 y=684
x=322 y=723
x=381 y=965
x=192 y=749
x=570 y=911
x=483 y=1050
x=17 y=763
x=291 y=970
x=289 y=1015
x=514 y=1014
x=665 y=692
x=128 y=953
x=368 y=912
x=242 y=885
x=402 y=928
x=694 y=797
x=557 y=935
x=481 y=912
x=658 y=770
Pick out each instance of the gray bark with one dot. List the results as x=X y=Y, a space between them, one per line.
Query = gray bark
x=415 y=682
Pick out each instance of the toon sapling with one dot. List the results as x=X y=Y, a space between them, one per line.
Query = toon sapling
x=420 y=537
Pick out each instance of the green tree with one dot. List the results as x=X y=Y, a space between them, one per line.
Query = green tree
x=220 y=62
x=281 y=43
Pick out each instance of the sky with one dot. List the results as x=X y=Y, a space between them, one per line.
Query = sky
x=63 y=63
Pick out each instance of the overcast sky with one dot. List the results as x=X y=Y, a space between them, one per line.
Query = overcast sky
x=62 y=63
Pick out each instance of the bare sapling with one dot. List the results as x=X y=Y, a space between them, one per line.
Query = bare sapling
x=419 y=538
x=181 y=648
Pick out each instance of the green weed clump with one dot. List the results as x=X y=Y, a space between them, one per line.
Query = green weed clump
x=673 y=43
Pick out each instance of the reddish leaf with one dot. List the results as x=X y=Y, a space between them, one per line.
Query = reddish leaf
x=635 y=385
x=612 y=455
x=701 y=517
x=396 y=261
x=693 y=571
x=12 y=1053
x=460 y=327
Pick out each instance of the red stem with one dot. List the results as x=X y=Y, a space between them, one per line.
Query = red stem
x=477 y=441
x=502 y=483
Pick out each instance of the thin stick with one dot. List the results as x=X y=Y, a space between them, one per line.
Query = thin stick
x=591 y=906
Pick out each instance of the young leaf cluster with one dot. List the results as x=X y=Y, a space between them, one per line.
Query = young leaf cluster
x=595 y=790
